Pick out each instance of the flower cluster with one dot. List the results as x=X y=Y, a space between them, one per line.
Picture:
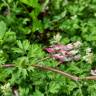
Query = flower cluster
x=65 y=53
x=56 y=38
x=89 y=56
x=6 y=89
x=93 y=72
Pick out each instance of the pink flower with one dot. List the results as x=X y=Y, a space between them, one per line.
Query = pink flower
x=63 y=53
x=50 y=50
x=55 y=48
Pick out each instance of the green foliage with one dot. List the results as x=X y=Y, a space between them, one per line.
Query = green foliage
x=54 y=87
x=2 y=28
x=27 y=27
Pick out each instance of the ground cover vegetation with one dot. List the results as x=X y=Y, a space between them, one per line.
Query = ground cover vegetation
x=47 y=47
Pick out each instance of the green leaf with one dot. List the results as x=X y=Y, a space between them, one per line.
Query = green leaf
x=35 y=51
x=17 y=50
x=10 y=37
x=37 y=26
x=23 y=91
x=23 y=45
x=54 y=87
x=19 y=43
x=71 y=86
x=26 y=45
x=2 y=28
x=23 y=73
x=22 y=61
x=78 y=93
x=37 y=93
x=92 y=90
x=32 y=3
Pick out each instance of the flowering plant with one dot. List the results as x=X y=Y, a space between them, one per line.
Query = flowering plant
x=29 y=26
x=65 y=53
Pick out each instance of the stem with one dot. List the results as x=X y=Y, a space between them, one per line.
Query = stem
x=70 y=76
x=43 y=59
x=16 y=93
x=8 y=65
x=57 y=71
x=89 y=78
x=48 y=69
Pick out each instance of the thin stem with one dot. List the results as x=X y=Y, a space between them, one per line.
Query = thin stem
x=57 y=71
x=89 y=78
x=43 y=59
x=16 y=93
x=48 y=69
x=8 y=65
x=70 y=76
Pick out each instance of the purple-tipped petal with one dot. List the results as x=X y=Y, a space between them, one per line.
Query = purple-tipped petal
x=63 y=52
x=50 y=50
